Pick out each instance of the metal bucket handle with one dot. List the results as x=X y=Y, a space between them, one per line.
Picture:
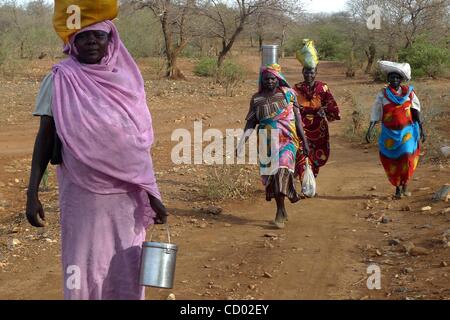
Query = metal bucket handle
x=167 y=229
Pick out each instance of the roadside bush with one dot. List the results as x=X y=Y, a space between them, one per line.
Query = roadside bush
x=356 y=130
x=427 y=60
x=230 y=75
x=206 y=67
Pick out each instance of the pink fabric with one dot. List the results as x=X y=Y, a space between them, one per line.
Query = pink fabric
x=105 y=126
x=101 y=236
x=103 y=121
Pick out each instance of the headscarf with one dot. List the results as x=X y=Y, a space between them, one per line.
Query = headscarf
x=399 y=98
x=103 y=120
x=274 y=69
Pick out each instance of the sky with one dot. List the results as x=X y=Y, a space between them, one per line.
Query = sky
x=315 y=6
x=312 y=6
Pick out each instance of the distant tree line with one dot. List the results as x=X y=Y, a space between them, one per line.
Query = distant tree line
x=417 y=31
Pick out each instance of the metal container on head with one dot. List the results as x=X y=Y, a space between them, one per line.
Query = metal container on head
x=269 y=54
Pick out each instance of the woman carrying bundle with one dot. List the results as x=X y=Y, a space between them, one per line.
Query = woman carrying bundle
x=317 y=107
x=398 y=109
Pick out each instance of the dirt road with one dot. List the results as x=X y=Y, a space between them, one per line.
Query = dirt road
x=323 y=253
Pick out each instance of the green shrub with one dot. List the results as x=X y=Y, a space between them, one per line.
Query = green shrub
x=206 y=67
x=426 y=59
x=292 y=45
x=230 y=75
x=141 y=33
x=331 y=45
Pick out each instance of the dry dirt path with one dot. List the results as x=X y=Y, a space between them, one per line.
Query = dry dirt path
x=237 y=255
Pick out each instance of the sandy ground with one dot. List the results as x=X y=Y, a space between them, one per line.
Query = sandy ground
x=324 y=251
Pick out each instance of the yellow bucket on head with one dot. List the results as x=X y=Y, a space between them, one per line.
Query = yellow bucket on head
x=70 y=16
x=308 y=55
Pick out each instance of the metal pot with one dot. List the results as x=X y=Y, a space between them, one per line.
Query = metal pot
x=269 y=54
x=158 y=262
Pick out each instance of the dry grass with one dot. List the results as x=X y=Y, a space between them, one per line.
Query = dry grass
x=230 y=182
x=356 y=125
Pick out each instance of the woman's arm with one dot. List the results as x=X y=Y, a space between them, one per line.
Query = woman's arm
x=330 y=106
x=299 y=127
x=43 y=149
x=417 y=117
x=375 y=117
x=250 y=125
x=369 y=134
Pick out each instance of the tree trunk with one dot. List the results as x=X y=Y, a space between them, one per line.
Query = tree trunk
x=370 y=57
x=171 y=52
x=260 y=42
x=221 y=58
x=226 y=47
x=283 y=39
x=22 y=56
x=391 y=50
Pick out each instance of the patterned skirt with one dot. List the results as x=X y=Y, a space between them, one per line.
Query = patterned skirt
x=281 y=184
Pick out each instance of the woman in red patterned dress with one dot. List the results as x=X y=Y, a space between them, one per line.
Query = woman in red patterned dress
x=317 y=107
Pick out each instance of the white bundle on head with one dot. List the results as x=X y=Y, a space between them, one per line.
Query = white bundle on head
x=403 y=69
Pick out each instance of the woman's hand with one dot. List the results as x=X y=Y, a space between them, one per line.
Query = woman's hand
x=159 y=208
x=33 y=210
x=423 y=136
x=306 y=148
x=322 y=112
x=369 y=134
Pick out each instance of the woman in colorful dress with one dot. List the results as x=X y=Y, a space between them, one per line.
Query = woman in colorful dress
x=317 y=108
x=274 y=106
x=398 y=109
x=94 y=104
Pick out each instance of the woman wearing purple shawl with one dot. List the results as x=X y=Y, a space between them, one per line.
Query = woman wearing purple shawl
x=95 y=124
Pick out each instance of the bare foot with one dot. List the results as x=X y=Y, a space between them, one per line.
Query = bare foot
x=279 y=219
x=278 y=224
x=405 y=191
x=398 y=193
x=285 y=215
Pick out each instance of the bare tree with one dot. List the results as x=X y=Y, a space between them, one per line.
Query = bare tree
x=403 y=21
x=176 y=20
x=419 y=16
x=270 y=25
x=229 y=18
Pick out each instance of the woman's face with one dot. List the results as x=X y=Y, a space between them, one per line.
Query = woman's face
x=92 y=46
x=394 y=80
x=269 y=81
x=309 y=75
